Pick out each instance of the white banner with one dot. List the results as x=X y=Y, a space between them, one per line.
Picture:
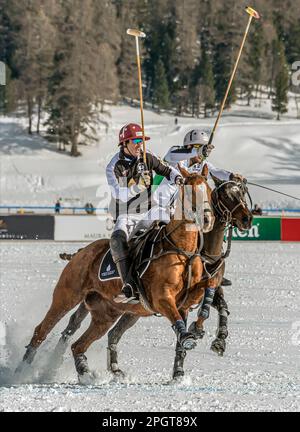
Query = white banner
x=82 y=228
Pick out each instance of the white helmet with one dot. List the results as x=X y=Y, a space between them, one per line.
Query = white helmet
x=196 y=136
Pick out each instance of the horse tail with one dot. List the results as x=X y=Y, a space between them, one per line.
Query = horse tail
x=67 y=257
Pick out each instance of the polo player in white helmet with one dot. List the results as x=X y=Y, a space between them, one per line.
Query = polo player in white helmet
x=193 y=153
x=192 y=156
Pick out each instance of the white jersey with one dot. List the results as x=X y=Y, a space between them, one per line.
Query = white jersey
x=181 y=155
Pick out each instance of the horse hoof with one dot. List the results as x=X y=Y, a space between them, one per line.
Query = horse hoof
x=178 y=375
x=88 y=378
x=188 y=341
x=20 y=368
x=196 y=331
x=118 y=373
x=81 y=365
x=29 y=354
x=189 y=344
x=218 y=346
x=26 y=362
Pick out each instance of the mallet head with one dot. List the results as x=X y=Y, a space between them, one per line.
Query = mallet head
x=136 y=33
x=252 y=12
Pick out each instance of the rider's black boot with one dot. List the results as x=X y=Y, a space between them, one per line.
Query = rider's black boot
x=119 y=250
x=127 y=294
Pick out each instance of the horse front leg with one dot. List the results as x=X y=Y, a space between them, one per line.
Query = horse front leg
x=167 y=307
x=180 y=354
x=114 y=335
x=219 y=303
x=196 y=328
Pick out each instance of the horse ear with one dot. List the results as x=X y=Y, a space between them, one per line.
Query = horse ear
x=217 y=181
x=205 y=171
x=183 y=171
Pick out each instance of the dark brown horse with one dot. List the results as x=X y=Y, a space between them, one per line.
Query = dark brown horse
x=231 y=210
x=165 y=281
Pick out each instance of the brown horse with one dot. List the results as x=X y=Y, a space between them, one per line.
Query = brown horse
x=165 y=281
x=231 y=210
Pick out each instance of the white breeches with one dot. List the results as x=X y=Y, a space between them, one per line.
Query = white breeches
x=133 y=222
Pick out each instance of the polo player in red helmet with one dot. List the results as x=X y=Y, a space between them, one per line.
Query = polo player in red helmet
x=130 y=182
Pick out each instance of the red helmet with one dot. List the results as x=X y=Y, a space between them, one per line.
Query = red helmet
x=131 y=131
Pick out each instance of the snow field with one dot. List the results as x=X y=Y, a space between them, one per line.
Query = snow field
x=259 y=371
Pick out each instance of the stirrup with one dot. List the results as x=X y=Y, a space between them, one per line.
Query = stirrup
x=226 y=282
x=127 y=295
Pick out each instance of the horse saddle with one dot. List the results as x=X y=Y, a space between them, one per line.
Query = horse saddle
x=141 y=249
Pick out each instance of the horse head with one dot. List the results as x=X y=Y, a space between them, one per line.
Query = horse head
x=196 y=196
x=230 y=205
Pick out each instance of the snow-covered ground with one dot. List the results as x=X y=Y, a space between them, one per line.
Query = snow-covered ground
x=259 y=372
x=249 y=141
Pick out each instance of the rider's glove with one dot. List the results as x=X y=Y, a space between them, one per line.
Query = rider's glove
x=144 y=181
x=179 y=181
x=205 y=150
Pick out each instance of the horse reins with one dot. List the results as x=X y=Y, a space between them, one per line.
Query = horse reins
x=225 y=214
x=179 y=251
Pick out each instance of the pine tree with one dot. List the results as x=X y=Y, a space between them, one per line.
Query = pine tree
x=280 y=100
x=44 y=61
x=34 y=37
x=222 y=72
x=227 y=41
x=8 y=28
x=207 y=83
x=293 y=42
x=255 y=57
x=106 y=30
x=161 y=94
x=271 y=56
x=127 y=65
x=85 y=71
x=160 y=44
x=8 y=99
x=187 y=49
x=202 y=89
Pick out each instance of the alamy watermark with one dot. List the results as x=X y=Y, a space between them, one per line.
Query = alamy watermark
x=2 y=74
x=296 y=74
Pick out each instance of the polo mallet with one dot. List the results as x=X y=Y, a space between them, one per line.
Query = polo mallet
x=139 y=34
x=253 y=14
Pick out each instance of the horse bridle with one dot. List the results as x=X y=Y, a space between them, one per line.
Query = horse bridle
x=221 y=209
x=192 y=212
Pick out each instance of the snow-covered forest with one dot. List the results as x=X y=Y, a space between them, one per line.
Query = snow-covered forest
x=65 y=58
